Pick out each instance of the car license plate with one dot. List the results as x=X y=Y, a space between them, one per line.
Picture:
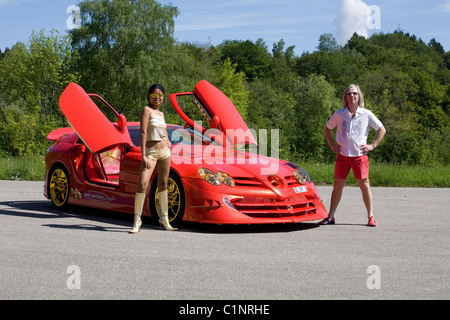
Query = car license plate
x=300 y=189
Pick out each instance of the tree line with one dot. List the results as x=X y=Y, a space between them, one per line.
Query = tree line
x=122 y=47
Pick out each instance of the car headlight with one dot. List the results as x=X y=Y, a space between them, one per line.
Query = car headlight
x=301 y=179
x=226 y=179
x=209 y=176
x=301 y=175
x=216 y=178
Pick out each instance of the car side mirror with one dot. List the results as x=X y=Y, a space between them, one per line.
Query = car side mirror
x=214 y=123
x=122 y=122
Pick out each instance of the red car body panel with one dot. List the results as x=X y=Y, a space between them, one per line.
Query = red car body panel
x=219 y=111
x=95 y=130
x=105 y=175
x=58 y=133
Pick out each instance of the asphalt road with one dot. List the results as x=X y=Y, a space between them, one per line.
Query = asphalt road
x=81 y=253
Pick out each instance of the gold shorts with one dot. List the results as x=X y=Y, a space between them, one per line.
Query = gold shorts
x=158 y=154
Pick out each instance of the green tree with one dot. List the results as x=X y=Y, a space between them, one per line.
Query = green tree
x=340 y=66
x=200 y=60
x=388 y=93
x=270 y=107
x=429 y=100
x=251 y=58
x=316 y=102
x=328 y=43
x=49 y=70
x=437 y=46
x=231 y=83
x=121 y=45
x=406 y=84
x=34 y=78
x=13 y=74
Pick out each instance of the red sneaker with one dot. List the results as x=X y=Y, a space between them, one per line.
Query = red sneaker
x=372 y=222
x=327 y=221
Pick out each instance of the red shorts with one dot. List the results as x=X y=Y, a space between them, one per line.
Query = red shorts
x=359 y=165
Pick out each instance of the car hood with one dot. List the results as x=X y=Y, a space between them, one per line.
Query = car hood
x=233 y=162
x=247 y=169
x=219 y=111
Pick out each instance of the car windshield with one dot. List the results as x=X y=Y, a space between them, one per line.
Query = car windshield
x=177 y=135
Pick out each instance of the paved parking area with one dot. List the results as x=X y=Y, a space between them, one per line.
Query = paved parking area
x=88 y=254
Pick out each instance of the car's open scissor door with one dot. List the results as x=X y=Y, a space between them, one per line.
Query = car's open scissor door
x=91 y=125
x=219 y=111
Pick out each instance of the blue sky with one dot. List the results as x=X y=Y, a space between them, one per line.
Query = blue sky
x=298 y=22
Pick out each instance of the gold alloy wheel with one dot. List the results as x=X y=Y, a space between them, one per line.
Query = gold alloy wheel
x=59 y=187
x=174 y=196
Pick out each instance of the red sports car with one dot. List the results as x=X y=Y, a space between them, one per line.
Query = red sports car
x=95 y=163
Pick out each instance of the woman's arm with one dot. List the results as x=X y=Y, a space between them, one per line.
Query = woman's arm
x=333 y=146
x=376 y=141
x=145 y=115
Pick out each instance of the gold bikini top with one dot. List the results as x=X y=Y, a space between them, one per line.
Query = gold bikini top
x=156 y=129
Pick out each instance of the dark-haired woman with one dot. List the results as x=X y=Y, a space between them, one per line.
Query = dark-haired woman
x=155 y=147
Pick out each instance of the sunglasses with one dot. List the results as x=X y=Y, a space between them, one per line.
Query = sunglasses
x=352 y=93
x=156 y=95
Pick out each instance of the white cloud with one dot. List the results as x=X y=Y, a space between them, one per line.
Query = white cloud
x=352 y=17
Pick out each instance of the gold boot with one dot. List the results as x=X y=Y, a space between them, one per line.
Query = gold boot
x=138 y=205
x=164 y=216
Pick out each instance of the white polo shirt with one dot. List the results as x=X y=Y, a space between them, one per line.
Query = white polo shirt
x=352 y=132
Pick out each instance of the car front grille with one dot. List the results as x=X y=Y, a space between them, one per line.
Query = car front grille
x=254 y=182
x=273 y=208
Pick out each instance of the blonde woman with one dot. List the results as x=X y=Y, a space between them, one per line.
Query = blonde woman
x=353 y=122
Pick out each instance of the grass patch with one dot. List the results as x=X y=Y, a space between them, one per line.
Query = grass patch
x=27 y=169
x=387 y=175
x=381 y=174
